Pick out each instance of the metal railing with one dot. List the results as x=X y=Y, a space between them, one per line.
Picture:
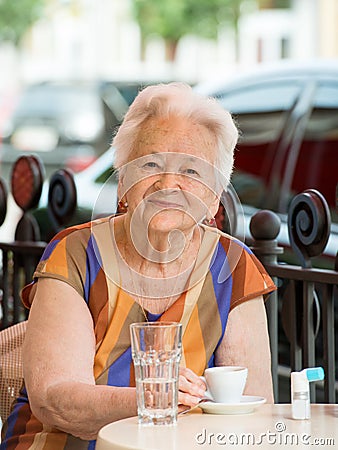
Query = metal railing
x=20 y=257
x=303 y=307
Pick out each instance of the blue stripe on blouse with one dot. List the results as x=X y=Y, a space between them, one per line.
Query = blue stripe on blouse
x=119 y=371
x=223 y=288
x=93 y=265
x=49 y=249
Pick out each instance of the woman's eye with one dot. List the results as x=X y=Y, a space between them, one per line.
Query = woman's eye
x=151 y=165
x=190 y=172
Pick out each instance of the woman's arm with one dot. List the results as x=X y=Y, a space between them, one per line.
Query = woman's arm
x=58 y=359
x=246 y=343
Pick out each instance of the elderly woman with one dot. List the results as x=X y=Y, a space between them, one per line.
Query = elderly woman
x=159 y=260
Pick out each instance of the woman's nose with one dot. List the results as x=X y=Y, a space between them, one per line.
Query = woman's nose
x=168 y=180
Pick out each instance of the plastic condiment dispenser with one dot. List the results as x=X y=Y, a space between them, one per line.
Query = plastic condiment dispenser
x=300 y=391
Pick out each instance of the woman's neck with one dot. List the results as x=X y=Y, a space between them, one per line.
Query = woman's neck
x=154 y=284
x=161 y=252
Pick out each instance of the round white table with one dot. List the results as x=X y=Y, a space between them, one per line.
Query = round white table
x=268 y=427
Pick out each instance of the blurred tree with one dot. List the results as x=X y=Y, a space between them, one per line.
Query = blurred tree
x=16 y=16
x=173 y=19
x=267 y=4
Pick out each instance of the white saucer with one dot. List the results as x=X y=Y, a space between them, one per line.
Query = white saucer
x=247 y=405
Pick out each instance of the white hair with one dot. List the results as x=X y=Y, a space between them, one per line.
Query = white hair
x=180 y=100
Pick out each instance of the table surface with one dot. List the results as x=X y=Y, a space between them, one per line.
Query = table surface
x=268 y=427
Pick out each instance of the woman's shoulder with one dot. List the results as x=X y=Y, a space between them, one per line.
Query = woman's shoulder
x=234 y=260
x=233 y=252
x=81 y=231
x=226 y=240
x=75 y=240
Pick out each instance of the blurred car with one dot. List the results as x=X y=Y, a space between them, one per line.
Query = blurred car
x=288 y=121
x=65 y=123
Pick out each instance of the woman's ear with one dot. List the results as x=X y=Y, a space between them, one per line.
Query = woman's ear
x=213 y=208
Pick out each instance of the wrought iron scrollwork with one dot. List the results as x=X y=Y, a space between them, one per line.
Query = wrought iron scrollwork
x=3 y=201
x=62 y=198
x=336 y=261
x=229 y=217
x=309 y=224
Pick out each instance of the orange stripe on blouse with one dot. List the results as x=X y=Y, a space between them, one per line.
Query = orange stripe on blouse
x=113 y=332
x=193 y=344
x=174 y=313
x=252 y=282
x=57 y=263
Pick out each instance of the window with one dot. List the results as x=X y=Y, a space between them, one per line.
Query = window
x=261 y=112
x=318 y=155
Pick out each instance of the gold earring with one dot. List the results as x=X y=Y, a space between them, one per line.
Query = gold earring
x=122 y=207
x=211 y=222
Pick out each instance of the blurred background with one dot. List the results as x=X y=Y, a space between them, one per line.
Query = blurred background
x=148 y=39
x=106 y=49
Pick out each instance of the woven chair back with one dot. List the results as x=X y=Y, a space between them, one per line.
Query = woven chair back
x=11 y=374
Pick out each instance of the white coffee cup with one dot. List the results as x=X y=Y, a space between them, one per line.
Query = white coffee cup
x=226 y=383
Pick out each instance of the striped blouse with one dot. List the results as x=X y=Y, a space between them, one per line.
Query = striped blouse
x=226 y=273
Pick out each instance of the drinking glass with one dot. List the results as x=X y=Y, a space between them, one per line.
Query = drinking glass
x=156 y=351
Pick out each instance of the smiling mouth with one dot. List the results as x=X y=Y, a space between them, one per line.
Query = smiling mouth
x=164 y=204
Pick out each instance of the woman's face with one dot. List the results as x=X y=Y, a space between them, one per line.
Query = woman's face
x=170 y=180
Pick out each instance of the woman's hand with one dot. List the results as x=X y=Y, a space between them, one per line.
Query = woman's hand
x=191 y=388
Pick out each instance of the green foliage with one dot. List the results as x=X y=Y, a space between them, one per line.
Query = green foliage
x=16 y=16
x=274 y=3
x=173 y=19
